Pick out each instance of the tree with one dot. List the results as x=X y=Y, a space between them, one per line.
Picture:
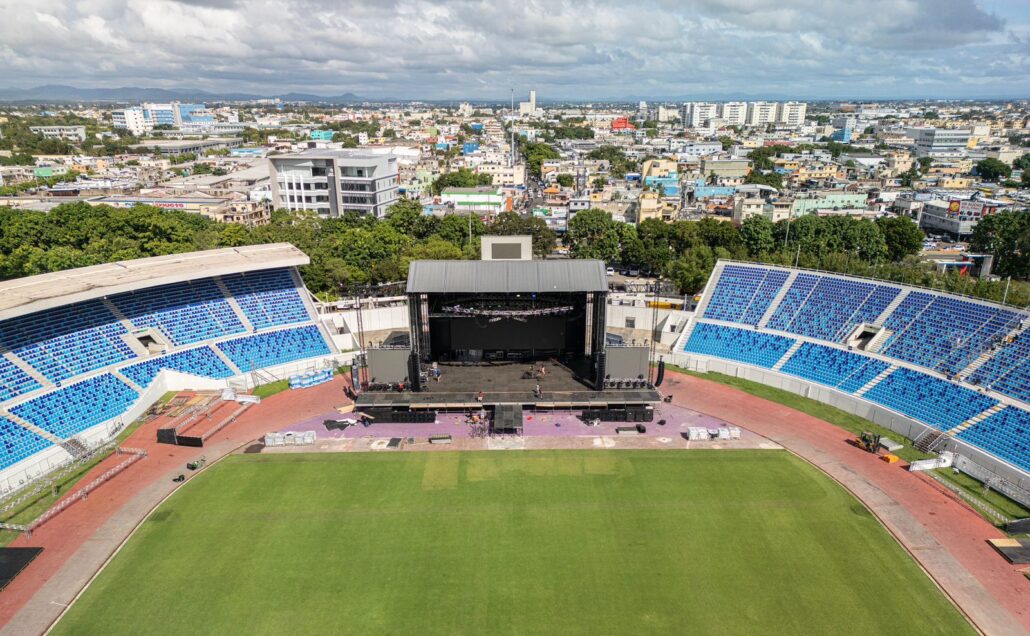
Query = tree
x=512 y=224
x=771 y=179
x=1006 y=235
x=902 y=235
x=593 y=234
x=757 y=234
x=565 y=180
x=991 y=169
x=1022 y=163
x=599 y=183
x=461 y=178
x=404 y=216
x=619 y=163
x=536 y=153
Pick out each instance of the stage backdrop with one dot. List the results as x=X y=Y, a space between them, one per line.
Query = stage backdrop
x=388 y=365
x=626 y=362
x=535 y=333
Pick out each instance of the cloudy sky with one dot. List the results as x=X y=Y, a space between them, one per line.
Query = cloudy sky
x=565 y=49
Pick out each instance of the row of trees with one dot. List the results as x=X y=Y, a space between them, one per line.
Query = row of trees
x=686 y=251
x=346 y=253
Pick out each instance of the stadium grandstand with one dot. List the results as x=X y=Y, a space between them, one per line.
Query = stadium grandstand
x=85 y=351
x=951 y=371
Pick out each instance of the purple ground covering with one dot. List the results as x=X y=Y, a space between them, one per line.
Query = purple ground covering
x=535 y=424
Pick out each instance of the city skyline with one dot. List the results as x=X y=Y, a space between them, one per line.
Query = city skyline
x=728 y=49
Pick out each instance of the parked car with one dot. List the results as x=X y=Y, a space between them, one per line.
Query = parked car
x=610 y=271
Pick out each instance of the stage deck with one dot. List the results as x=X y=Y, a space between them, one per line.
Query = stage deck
x=504 y=383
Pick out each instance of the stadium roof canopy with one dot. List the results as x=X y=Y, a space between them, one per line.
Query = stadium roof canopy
x=30 y=294
x=441 y=277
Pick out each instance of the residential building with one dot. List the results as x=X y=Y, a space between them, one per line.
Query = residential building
x=333 y=182
x=698 y=149
x=761 y=113
x=956 y=217
x=791 y=114
x=132 y=120
x=504 y=175
x=74 y=133
x=939 y=142
x=731 y=168
x=481 y=201
x=697 y=114
x=746 y=207
x=734 y=113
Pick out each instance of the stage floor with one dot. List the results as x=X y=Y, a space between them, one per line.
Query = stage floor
x=503 y=383
x=504 y=377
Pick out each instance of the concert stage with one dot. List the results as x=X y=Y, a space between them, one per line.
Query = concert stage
x=489 y=327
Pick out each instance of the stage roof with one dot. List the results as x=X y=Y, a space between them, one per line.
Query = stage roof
x=26 y=295
x=565 y=275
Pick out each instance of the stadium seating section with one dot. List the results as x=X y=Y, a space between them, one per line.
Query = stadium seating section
x=944 y=333
x=268 y=298
x=833 y=367
x=72 y=346
x=14 y=381
x=67 y=341
x=743 y=345
x=1005 y=434
x=940 y=332
x=185 y=312
x=939 y=403
x=828 y=308
x=18 y=443
x=744 y=293
x=76 y=407
x=1008 y=371
x=274 y=347
x=201 y=361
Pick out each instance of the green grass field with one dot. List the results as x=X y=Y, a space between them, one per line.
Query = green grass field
x=535 y=542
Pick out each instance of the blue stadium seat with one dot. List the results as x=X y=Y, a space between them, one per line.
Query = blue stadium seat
x=1005 y=434
x=944 y=333
x=201 y=361
x=269 y=298
x=828 y=307
x=76 y=407
x=186 y=312
x=743 y=345
x=742 y=294
x=939 y=403
x=18 y=443
x=14 y=381
x=1008 y=371
x=833 y=367
x=275 y=347
x=67 y=341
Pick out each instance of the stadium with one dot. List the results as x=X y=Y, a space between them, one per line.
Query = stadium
x=484 y=453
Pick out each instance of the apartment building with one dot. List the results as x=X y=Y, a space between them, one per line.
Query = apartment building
x=761 y=113
x=697 y=114
x=334 y=182
x=791 y=114
x=734 y=113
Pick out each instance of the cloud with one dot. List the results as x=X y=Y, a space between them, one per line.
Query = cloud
x=564 y=48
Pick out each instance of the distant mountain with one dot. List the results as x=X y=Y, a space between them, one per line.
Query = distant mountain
x=62 y=93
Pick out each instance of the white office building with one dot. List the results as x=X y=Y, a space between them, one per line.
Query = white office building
x=132 y=120
x=74 y=133
x=791 y=114
x=334 y=182
x=939 y=142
